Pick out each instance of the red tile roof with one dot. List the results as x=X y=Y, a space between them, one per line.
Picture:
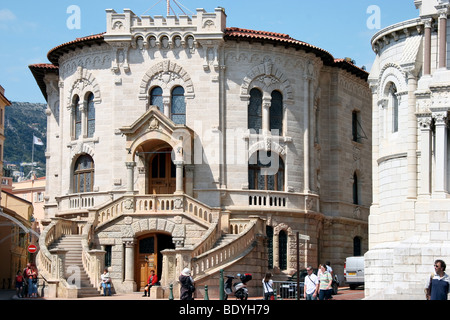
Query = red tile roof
x=54 y=54
x=39 y=70
x=232 y=33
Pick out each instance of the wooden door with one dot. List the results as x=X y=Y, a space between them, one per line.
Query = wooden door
x=162 y=173
x=147 y=259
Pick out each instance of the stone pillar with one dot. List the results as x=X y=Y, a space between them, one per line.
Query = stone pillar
x=179 y=177
x=129 y=283
x=440 y=173
x=427 y=47
x=425 y=155
x=275 y=250
x=266 y=103
x=443 y=12
x=375 y=141
x=306 y=168
x=130 y=176
x=166 y=103
x=412 y=137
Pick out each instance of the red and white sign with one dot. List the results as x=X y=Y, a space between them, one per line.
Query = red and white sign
x=32 y=248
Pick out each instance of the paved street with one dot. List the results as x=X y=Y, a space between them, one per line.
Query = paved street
x=343 y=294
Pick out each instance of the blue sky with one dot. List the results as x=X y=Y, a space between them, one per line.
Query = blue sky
x=29 y=29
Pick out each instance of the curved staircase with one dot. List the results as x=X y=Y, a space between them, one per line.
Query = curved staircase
x=75 y=272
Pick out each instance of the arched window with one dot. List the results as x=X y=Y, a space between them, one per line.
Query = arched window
x=266 y=172
x=178 y=111
x=282 y=250
x=83 y=174
x=269 y=233
x=90 y=116
x=393 y=99
x=355 y=189
x=76 y=115
x=255 y=110
x=356 y=246
x=276 y=113
x=156 y=98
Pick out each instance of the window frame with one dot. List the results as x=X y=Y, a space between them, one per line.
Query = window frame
x=77 y=173
x=254 y=172
x=259 y=102
x=173 y=97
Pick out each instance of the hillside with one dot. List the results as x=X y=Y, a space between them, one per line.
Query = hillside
x=22 y=121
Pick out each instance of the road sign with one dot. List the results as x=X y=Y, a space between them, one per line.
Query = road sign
x=32 y=248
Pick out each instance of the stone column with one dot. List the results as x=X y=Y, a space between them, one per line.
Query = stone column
x=266 y=103
x=427 y=47
x=306 y=168
x=443 y=12
x=130 y=176
x=440 y=173
x=412 y=137
x=179 y=177
x=425 y=154
x=129 y=283
x=166 y=103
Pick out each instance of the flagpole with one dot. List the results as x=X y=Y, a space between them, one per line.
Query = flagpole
x=32 y=159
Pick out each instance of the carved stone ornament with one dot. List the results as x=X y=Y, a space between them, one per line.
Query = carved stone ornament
x=178 y=203
x=153 y=124
x=129 y=204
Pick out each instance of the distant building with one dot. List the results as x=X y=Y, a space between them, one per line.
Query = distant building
x=15 y=219
x=179 y=142
x=4 y=102
x=409 y=223
x=32 y=191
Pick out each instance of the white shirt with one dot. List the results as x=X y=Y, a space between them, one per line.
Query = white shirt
x=311 y=282
x=268 y=286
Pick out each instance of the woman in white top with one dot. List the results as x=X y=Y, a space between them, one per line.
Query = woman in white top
x=268 y=287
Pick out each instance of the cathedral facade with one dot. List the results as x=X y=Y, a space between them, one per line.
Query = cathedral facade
x=409 y=221
x=179 y=142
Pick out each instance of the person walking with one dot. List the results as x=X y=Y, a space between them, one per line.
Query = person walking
x=106 y=282
x=268 y=287
x=325 y=283
x=187 y=285
x=438 y=285
x=311 y=285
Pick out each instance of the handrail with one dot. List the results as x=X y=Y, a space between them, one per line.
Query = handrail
x=224 y=253
x=93 y=260
x=150 y=204
x=50 y=265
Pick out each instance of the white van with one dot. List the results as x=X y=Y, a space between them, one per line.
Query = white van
x=354 y=271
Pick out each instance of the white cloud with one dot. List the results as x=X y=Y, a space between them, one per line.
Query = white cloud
x=7 y=15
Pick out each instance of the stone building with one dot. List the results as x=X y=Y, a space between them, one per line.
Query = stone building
x=180 y=142
x=15 y=220
x=409 y=221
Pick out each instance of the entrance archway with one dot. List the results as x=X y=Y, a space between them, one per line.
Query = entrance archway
x=149 y=257
x=162 y=173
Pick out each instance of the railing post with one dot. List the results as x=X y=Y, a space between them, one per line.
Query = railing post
x=221 y=288
x=206 y=292
x=171 y=291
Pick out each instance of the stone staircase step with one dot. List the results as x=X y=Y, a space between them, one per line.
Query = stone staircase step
x=72 y=243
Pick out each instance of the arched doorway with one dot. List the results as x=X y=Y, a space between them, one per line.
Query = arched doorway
x=149 y=257
x=162 y=172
